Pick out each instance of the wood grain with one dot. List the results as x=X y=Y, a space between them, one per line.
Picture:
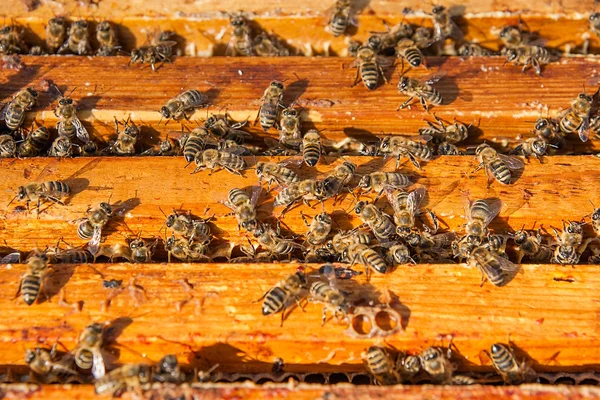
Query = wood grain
x=498 y=99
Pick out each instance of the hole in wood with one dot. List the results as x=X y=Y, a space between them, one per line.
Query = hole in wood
x=386 y=321
x=362 y=324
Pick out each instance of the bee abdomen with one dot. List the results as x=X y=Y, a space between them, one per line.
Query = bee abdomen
x=375 y=261
x=30 y=288
x=75 y=257
x=570 y=123
x=500 y=171
x=192 y=98
x=378 y=361
x=84 y=359
x=193 y=146
x=274 y=301
x=56 y=188
x=85 y=230
x=15 y=115
x=268 y=115
x=503 y=358
x=338 y=25
x=435 y=97
x=311 y=154
x=413 y=56
x=369 y=75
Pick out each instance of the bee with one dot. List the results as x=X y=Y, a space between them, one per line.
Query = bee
x=277 y=298
x=527 y=55
x=106 y=35
x=399 y=146
x=187 y=250
x=408 y=366
x=124 y=378
x=240 y=43
x=338 y=179
x=13 y=113
x=311 y=147
x=343 y=239
x=78 y=41
x=380 y=181
x=594 y=27
x=211 y=159
x=56 y=34
x=140 y=251
x=8 y=146
x=90 y=227
x=426 y=243
x=493 y=267
x=195 y=143
x=271 y=241
x=340 y=18
x=177 y=107
x=398 y=253
x=407 y=50
x=549 y=130
x=68 y=124
x=161 y=52
x=71 y=256
x=365 y=255
x=168 y=370
x=223 y=129
x=290 y=128
x=11 y=41
x=421 y=89
x=443 y=25
x=577 y=117
x=532 y=147
x=353 y=47
x=270 y=105
x=454 y=133
x=380 y=223
x=463 y=380
x=479 y=214
x=497 y=166
x=437 y=364
x=34 y=143
x=595 y=217
x=88 y=149
x=388 y=40
x=126 y=139
x=50 y=190
x=448 y=149
x=32 y=282
x=319 y=228
x=275 y=172
x=61 y=147
x=331 y=297
x=514 y=36
x=167 y=147
x=470 y=49
x=381 y=365
x=570 y=243
x=305 y=190
x=244 y=207
x=422 y=36
x=268 y=46
x=184 y=225
x=369 y=67
x=44 y=363
x=88 y=352
x=511 y=371
x=406 y=208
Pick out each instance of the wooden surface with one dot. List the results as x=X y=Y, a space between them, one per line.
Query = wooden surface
x=501 y=100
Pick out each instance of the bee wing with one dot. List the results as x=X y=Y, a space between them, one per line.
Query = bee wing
x=3 y=112
x=94 y=243
x=444 y=239
x=415 y=198
x=495 y=207
x=507 y=265
x=512 y=162
x=593 y=81
x=584 y=129
x=11 y=258
x=384 y=62
x=82 y=133
x=391 y=195
x=467 y=206
x=539 y=42
x=433 y=78
x=168 y=43
x=457 y=33
x=98 y=368
x=295 y=161
x=255 y=194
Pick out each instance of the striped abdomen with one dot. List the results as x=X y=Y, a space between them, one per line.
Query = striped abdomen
x=85 y=229
x=268 y=114
x=238 y=197
x=380 y=365
x=30 y=288
x=74 y=257
x=14 y=116
x=421 y=151
x=84 y=359
x=413 y=56
x=283 y=247
x=570 y=122
x=369 y=74
x=192 y=98
x=432 y=95
x=500 y=171
x=56 y=188
x=274 y=301
x=66 y=128
x=311 y=153
x=373 y=260
x=193 y=146
x=383 y=228
x=233 y=161
x=506 y=364
x=339 y=23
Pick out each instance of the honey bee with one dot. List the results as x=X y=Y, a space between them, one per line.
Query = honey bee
x=167 y=147
x=387 y=40
x=527 y=55
x=33 y=281
x=311 y=147
x=479 y=214
x=124 y=378
x=365 y=255
x=305 y=190
x=177 y=107
x=13 y=113
x=90 y=227
x=570 y=243
x=126 y=139
x=270 y=105
x=275 y=172
x=497 y=166
x=398 y=254
x=240 y=43
x=68 y=124
x=343 y=239
x=106 y=35
x=244 y=207
x=88 y=149
x=277 y=298
x=195 y=142
x=421 y=89
x=514 y=36
x=45 y=364
x=380 y=223
x=594 y=27
x=78 y=41
x=61 y=147
x=549 y=130
x=595 y=217
x=443 y=25
x=187 y=250
x=470 y=49
x=70 y=256
x=88 y=352
x=141 y=252
x=319 y=228
x=423 y=37
x=407 y=50
x=168 y=370
x=381 y=365
x=463 y=380
x=56 y=34
x=577 y=117
x=11 y=41
x=8 y=146
x=340 y=18
x=408 y=366
x=290 y=128
x=369 y=67
x=453 y=133
x=268 y=46
x=399 y=146
x=532 y=147
x=184 y=225
x=270 y=239
x=493 y=267
x=380 y=181
x=436 y=362
x=511 y=371
x=429 y=244
x=332 y=298
x=338 y=179
x=34 y=143
x=211 y=159
x=223 y=129
x=162 y=52
x=448 y=149
x=406 y=208
x=51 y=190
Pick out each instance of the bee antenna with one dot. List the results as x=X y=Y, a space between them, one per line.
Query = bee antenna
x=591 y=203
x=13 y=199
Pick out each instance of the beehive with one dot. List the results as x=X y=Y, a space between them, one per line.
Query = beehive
x=206 y=313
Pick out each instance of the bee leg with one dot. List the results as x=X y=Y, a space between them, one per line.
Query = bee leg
x=304 y=219
x=356 y=79
x=537 y=66
x=520 y=256
x=257 y=115
x=382 y=74
x=324 y=318
x=406 y=103
x=414 y=161
x=18 y=289
x=424 y=103
x=483 y=279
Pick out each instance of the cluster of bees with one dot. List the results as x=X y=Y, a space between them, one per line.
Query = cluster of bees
x=89 y=357
x=392 y=367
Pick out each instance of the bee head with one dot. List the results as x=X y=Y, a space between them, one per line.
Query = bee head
x=33 y=92
x=5 y=30
x=290 y=112
x=574 y=227
x=277 y=84
x=596 y=215
x=540 y=124
x=374 y=42
x=438 y=9
x=359 y=207
x=508 y=31
x=136 y=54
x=81 y=24
x=403 y=231
x=585 y=97
x=413 y=239
x=144 y=374
x=254 y=227
x=165 y=112
x=511 y=54
x=481 y=148
x=103 y=26
x=137 y=244
x=520 y=237
x=168 y=364
x=107 y=208
x=21 y=193
x=57 y=21
x=365 y=182
x=403 y=84
x=323 y=218
x=595 y=17
x=30 y=355
x=237 y=21
x=539 y=147
x=210 y=122
x=65 y=101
